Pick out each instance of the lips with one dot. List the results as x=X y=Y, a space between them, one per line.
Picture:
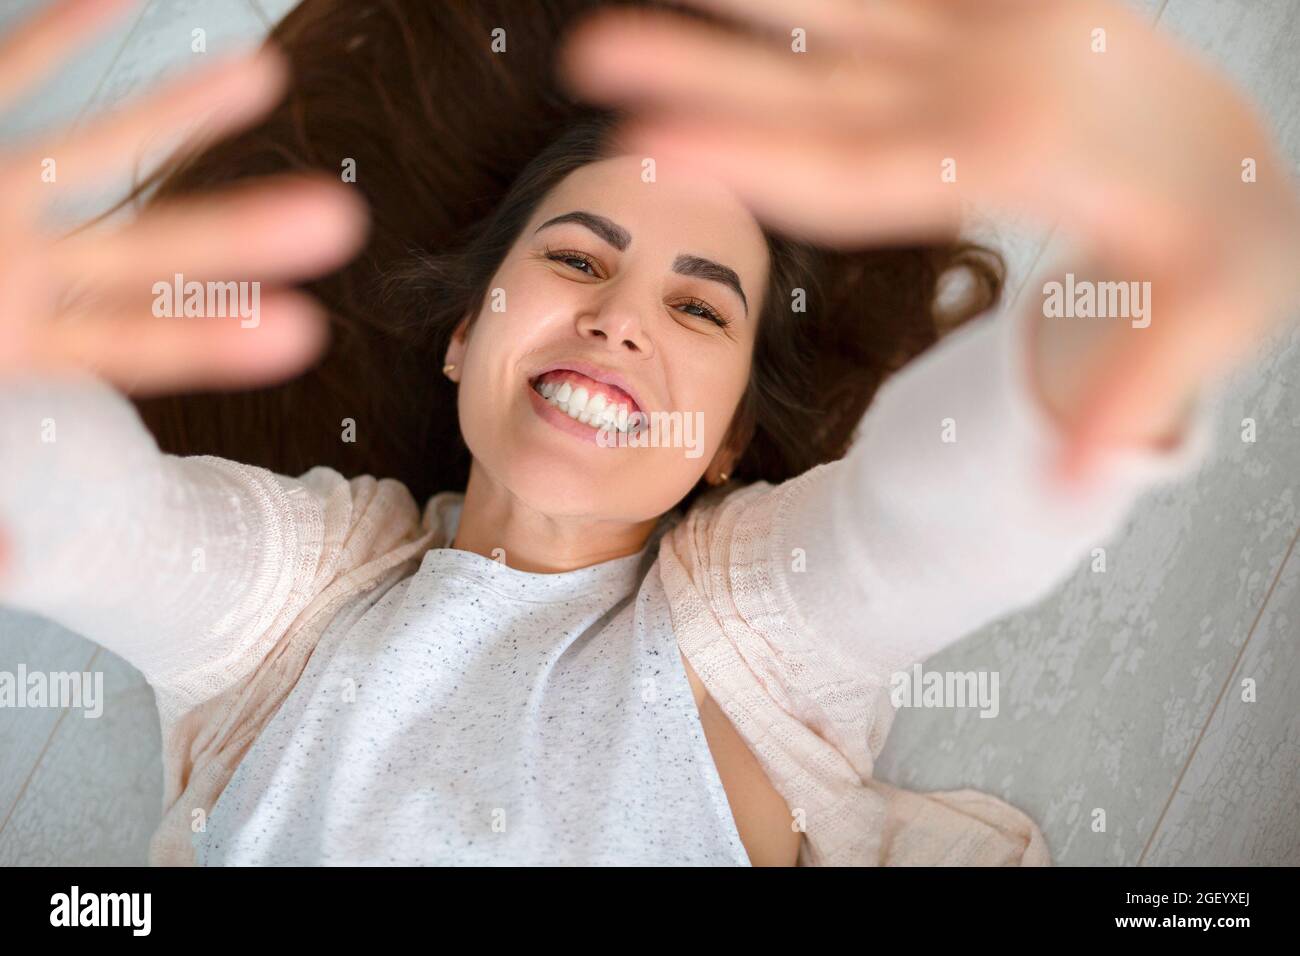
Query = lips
x=597 y=381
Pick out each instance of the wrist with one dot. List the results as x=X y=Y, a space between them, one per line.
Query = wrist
x=1067 y=356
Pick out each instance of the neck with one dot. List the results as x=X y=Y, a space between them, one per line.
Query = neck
x=492 y=521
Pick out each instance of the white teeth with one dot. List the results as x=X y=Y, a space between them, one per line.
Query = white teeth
x=594 y=410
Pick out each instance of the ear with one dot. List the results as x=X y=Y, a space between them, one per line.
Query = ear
x=454 y=360
x=731 y=449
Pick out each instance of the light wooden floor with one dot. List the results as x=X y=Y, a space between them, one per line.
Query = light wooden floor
x=1121 y=692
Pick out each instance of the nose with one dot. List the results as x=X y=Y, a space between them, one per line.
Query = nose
x=618 y=327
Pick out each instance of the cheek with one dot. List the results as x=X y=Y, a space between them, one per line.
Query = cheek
x=493 y=405
x=517 y=317
x=710 y=382
x=484 y=394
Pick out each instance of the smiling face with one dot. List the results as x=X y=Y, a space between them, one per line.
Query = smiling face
x=619 y=297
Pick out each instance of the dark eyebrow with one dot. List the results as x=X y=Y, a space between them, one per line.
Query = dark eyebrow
x=685 y=264
x=611 y=232
x=689 y=265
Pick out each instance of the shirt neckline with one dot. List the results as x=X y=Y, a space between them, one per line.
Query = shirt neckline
x=606 y=580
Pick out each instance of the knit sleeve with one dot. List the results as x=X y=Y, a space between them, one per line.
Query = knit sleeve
x=943 y=516
x=190 y=568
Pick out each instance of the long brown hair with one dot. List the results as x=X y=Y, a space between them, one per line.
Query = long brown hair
x=453 y=147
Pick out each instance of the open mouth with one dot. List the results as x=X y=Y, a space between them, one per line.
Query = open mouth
x=597 y=404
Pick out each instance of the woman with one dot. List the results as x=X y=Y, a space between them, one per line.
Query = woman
x=345 y=677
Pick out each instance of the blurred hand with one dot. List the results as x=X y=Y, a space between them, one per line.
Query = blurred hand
x=85 y=300
x=903 y=112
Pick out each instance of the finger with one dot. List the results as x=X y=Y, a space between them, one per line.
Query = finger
x=145 y=354
x=840 y=188
x=40 y=43
x=284 y=227
x=840 y=23
x=217 y=100
x=670 y=61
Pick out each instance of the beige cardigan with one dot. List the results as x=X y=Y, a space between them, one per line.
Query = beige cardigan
x=793 y=603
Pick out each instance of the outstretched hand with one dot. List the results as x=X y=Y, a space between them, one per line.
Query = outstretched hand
x=87 y=301
x=852 y=123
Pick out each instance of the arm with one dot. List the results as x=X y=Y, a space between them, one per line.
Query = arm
x=189 y=568
x=912 y=541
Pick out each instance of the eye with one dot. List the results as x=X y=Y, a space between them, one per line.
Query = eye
x=706 y=312
x=568 y=256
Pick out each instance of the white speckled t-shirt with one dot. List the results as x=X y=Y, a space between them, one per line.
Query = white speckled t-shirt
x=477 y=714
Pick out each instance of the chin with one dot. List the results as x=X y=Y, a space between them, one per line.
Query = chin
x=560 y=482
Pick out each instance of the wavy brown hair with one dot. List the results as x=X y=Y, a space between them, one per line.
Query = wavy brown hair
x=454 y=147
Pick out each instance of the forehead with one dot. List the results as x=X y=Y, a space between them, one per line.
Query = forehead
x=678 y=212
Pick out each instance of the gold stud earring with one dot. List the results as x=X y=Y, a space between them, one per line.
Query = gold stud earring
x=722 y=477
x=448 y=369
